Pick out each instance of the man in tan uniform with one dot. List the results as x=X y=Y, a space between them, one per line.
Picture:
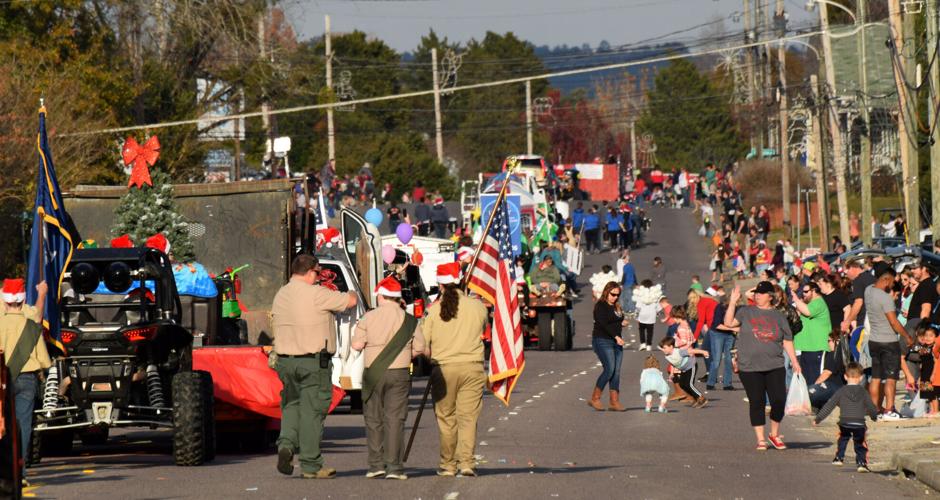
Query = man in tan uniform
x=14 y=319
x=454 y=328
x=388 y=344
x=305 y=340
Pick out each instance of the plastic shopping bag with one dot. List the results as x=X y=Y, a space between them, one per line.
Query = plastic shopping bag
x=702 y=231
x=798 y=404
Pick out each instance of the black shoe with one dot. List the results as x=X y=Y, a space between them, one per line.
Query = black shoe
x=728 y=388
x=837 y=461
x=285 y=459
x=703 y=378
x=709 y=388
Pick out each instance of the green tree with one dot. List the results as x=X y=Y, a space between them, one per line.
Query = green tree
x=149 y=210
x=490 y=122
x=690 y=120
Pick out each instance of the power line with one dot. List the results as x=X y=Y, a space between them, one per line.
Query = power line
x=421 y=93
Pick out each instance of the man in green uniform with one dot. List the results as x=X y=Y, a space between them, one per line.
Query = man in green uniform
x=304 y=341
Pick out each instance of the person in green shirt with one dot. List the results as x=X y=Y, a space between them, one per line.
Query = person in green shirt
x=813 y=340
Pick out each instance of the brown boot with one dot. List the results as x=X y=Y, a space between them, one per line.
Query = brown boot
x=615 y=402
x=595 y=401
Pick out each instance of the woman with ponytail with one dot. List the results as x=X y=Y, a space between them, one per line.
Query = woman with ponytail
x=454 y=330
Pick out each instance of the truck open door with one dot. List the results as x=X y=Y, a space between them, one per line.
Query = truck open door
x=362 y=245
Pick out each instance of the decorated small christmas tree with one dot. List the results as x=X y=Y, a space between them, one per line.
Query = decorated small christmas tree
x=148 y=207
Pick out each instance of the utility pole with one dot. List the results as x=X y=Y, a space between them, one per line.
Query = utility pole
x=633 y=144
x=528 y=116
x=265 y=106
x=865 y=136
x=761 y=82
x=438 y=134
x=331 y=137
x=749 y=61
x=932 y=40
x=911 y=178
x=784 y=150
x=835 y=130
x=821 y=199
x=907 y=158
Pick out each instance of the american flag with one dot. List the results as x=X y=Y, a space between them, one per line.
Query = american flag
x=493 y=277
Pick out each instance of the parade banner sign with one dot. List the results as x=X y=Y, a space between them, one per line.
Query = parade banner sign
x=514 y=201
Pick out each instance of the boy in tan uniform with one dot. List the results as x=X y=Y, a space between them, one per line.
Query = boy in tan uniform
x=387 y=382
x=454 y=329
x=15 y=317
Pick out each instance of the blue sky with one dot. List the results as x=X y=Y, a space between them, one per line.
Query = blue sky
x=543 y=22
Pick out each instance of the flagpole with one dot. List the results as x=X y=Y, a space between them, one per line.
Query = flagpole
x=511 y=165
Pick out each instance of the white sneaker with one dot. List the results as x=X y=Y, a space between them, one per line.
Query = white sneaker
x=642 y=347
x=375 y=473
x=401 y=476
x=649 y=348
x=890 y=416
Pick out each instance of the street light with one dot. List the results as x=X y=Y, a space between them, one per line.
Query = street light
x=811 y=5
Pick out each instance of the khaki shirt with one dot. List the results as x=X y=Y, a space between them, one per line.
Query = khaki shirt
x=377 y=327
x=11 y=327
x=302 y=318
x=30 y=311
x=460 y=339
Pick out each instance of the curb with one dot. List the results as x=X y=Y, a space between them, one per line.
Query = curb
x=924 y=466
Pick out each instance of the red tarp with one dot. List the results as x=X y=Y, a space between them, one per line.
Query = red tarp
x=241 y=377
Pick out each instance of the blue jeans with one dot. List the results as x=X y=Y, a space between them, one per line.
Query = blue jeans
x=24 y=392
x=721 y=343
x=610 y=354
x=820 y=393
x=671 y=331
x=705 y=343
x=626 y=299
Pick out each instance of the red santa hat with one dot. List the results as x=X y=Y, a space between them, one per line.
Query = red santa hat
x=327 y=235
x=14 y=290
x=123 y=241
x=448 y=274
x=464 y=254
x=439 y=201
x=159 y=242
x=389 y=287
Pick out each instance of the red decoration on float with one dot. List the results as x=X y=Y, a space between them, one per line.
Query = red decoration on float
x=141 y=157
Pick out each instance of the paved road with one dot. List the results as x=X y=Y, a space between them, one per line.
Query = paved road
x=548 y=444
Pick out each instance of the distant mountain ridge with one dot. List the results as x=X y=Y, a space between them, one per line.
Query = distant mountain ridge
x=563 y=57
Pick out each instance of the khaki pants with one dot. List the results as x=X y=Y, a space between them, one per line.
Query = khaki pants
x=305 y=401
x=385 y=413
x=458 y=400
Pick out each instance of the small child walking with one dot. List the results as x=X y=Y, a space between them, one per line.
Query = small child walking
x=647 y=297
x=854 y=403
x=683 y=360
x=652 y=384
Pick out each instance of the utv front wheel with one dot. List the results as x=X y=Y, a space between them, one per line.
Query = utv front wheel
x=192 y=415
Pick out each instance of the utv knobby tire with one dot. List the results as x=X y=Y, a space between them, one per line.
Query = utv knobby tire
x=35 y=449
x=209 y=400
x=191 y=442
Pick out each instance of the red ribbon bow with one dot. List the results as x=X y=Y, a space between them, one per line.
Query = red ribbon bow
x=141 y=157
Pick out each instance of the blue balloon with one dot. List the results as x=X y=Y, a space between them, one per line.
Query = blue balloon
x=374 y=216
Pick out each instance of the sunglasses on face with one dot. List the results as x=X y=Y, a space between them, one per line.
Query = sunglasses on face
x=806 y=290
x=614 y=294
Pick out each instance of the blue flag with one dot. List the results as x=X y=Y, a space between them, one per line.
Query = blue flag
x=53 y=233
